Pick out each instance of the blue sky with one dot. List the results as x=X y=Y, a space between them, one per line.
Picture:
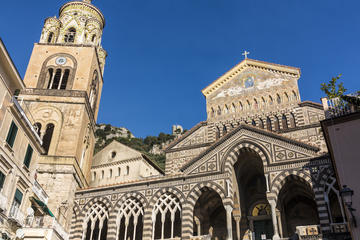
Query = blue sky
x=163 y=52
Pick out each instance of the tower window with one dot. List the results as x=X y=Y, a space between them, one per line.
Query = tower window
x=64 y=79
x=93 y=38
x=50 y=38
x=54 y=84
x=47 y=136
x=70 y=35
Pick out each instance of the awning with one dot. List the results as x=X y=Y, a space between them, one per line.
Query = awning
x=40 y=204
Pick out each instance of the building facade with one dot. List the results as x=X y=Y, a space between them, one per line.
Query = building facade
x=256 y=168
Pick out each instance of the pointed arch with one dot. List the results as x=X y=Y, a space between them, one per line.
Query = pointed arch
x=233 y=108
x=166 y=217
x=276 y=123
x=268 y=124
x=286 y=97
x=271 y=101
x=278 y=98
x=95 y=222
x=261 y=123
x=50 y=37
x=292 y=120
x=284 y=122
x=219 y=111
x=294 y=95
x=231 y=156
x=226 y=109
x=263 y=102
x=256 y=105
x=241 y=106
x=48 y=137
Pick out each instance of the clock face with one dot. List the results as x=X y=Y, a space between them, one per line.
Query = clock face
x=60 y=61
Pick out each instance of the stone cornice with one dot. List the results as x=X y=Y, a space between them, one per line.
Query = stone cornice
x=272 y=67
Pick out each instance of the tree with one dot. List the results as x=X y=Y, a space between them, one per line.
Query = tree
x=333 y=89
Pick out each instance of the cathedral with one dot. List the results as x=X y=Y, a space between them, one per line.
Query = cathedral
x=256 y=168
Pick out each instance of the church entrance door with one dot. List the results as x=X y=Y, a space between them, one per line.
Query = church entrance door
x=263 y=228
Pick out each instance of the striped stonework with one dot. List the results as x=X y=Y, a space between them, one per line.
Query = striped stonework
x=281 y=179
x=233 y=154
x=323 y=176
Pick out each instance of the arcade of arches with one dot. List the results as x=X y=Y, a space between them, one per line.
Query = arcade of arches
x=246 y=210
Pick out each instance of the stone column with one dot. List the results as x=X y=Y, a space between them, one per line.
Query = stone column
x=229 y=209
x=187 y=221
x=274 y=219
x=197 y=221
x=237 y=220
x=148 y=225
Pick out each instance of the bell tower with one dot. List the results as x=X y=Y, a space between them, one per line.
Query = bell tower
x=64 y=79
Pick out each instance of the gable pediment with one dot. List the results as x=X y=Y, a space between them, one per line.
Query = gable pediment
x=194 y=137
x=274 y=149
x=251 y=75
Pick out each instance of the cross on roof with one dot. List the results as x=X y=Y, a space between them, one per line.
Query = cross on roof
x=245 y=53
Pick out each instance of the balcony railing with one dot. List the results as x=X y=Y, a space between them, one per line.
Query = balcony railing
x=47 y=222
x=25 y=113
x=16 y=215
x=337 y=107
x=40 y=192
x=3 y=202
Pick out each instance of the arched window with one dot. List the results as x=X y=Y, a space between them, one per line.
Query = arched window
x=212 y=112
x=38 y=128
x=166 y=217
x=64 y=79
x=94 y=176
x=49 y=77
x=270 y=100
x=263 y=102
x=294 y=95
x=219 y=111
x=276 y=123
x=284 y=122
x=334 y=203
x=261 y=123
x=233 y=108
x=93 y=90
x=129 y=220
x=217 y=134
x=286 y=96
x=127 y=170
x=95 y=223
x=102 y=174
x=70 y=35
x=59 y=80
x=224 y=130
x=47 y=137
x=255 y=103
x=248 y=104
x=119 y=171
x=292 y=120
x=278 y=98
x=241 y=106
x=253 y=122
x=50 y=38
x=110 y=173
x=93 y=38
x=268 y=124
x=226 y=109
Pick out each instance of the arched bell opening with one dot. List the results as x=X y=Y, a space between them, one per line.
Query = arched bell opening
x=210 y=215
x=252 y=187
x=297 y=206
